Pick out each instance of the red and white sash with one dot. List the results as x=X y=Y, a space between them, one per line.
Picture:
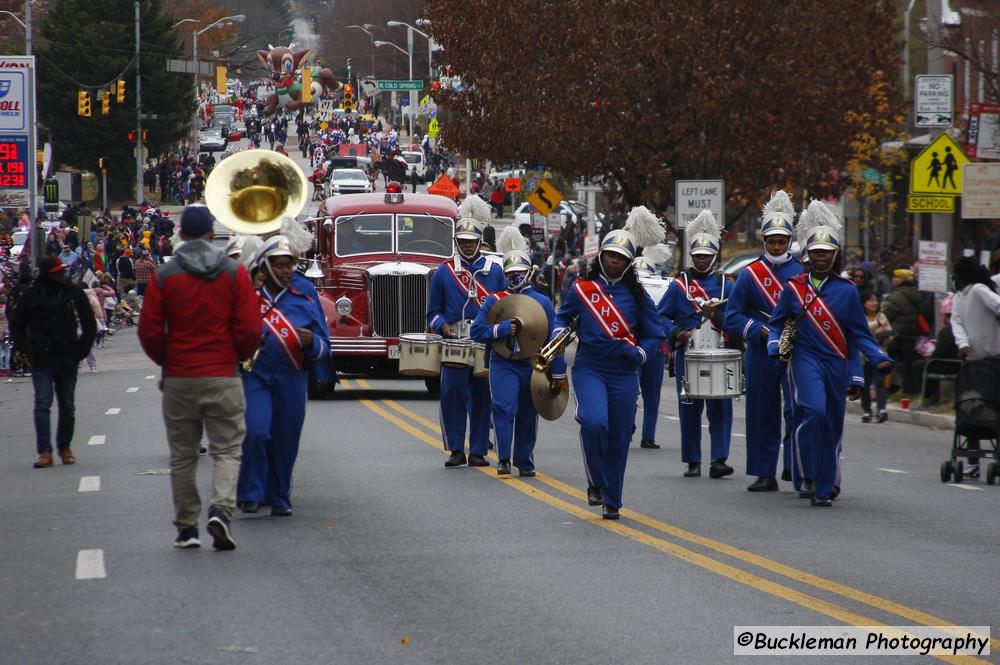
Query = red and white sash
x=696 y=290
x=820 y=316
x=768 y=283
x=465 y=280
x=604 y=311
x=284 y=332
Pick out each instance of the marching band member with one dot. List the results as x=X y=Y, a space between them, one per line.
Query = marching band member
x=651 y=378
x=515 y=421
x=295 y=341
x=830 y=330
x=750 y=305
x=457 y=291
x=691 y=299
x=618 y=330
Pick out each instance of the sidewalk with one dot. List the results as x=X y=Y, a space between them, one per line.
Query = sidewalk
x=942 y=421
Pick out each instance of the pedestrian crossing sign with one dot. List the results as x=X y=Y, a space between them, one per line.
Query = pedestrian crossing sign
x=938 y=168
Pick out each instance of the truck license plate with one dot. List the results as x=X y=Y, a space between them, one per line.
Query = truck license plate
x=394 y=352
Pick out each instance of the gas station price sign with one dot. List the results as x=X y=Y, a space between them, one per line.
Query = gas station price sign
x=13 y=162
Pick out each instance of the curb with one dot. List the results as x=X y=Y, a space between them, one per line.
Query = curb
x=940 y=421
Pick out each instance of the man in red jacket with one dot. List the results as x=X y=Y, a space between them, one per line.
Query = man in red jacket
x=199 y=318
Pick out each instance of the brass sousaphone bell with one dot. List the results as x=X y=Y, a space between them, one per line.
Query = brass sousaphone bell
x=534 y=325
x=253 y=190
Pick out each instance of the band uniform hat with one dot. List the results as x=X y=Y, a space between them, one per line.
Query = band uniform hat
x=274 y=246
x=705 y=233
x=642 y=267
x=778 y=215
x=197 y=220
x=467 y=229
x=516 y=260
x=819 y=227
x=51 y=264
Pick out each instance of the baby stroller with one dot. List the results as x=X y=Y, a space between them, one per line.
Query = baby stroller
x=977 y=419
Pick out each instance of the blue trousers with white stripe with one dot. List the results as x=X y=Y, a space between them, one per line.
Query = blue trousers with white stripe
x=819 y=393
x=720 y=423
x=765 y=379
x=650 y=384
x=515 y=421
x=465 y=400
x=605 y=408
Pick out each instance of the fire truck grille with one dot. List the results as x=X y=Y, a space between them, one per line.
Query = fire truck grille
x=398 y=304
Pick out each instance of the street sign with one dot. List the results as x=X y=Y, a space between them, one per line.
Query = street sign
x=18 y=156
x=400 y=85
x=984 y=131
x=444 y=186
x=368 y=86
x=555 y=222
x=186 y=66
x=545 y=198
x=693 y=196
x=938 y=168
x=933 y=273
x=512 y=185
x=590 y=246
x=934 y=100
x=930 y=203
x=981 y=195
x=433 y=128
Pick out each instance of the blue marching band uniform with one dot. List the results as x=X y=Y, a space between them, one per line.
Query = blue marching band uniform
x=457 y=292
x=514 y=418
x=276 y=387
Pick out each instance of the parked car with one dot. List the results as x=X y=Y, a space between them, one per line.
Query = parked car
x=735 y=265
x=415 y=159
x=213 y=137
x=349 y=181
x=522 y=215
x=20 y=238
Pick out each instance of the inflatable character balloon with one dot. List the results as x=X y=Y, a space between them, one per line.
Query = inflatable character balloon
x=285 y=66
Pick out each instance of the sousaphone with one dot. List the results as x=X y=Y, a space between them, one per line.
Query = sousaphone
x=534 y=326
x=253 y=190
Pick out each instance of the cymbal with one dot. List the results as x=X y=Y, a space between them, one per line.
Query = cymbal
x=534 y=325
x=549 y=405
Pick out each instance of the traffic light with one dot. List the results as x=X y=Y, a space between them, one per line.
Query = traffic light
x=105 y=102
x=307 y=85
x=348 y=97
x=131 y=136
x=120 y=91
x=220 y=80
x=83 y=103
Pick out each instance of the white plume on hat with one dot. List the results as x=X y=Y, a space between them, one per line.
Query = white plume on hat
x=510 y=239
x=656 y=254
x=816 y=215
x=779 y=205
x=251 y=244
x=300 y=240
x=645 y=227
x=475 y=208
x=705 y=223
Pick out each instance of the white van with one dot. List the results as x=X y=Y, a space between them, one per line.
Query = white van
x=415 y=158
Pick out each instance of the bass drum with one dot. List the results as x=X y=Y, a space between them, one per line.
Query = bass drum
x=713 y=374
x=420 y=355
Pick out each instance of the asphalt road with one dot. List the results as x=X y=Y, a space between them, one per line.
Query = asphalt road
x=390 y=558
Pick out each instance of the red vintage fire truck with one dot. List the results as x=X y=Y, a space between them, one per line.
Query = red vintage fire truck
x=378 y=252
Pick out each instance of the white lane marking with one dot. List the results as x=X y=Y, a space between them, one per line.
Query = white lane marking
x=133 y=389
x=739 y=435
x=90 y=484
x=671 y=417
x=90 y=565
x=965 y=487
x=891 y=470
x=96 y=440
x=113 y=412
x=150 y=377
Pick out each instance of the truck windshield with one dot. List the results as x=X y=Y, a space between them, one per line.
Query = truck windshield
x=424 y=234
x=363 y=234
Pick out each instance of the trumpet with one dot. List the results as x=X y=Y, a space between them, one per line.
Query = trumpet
x=541 y=361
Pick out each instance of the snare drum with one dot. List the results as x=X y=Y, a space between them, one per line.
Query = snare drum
x=420 y=355
x=714 y=374
x=705 y=338
x=479 y=368
x=458 y=353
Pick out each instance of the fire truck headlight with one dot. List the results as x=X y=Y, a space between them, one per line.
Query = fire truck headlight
x=344 y=306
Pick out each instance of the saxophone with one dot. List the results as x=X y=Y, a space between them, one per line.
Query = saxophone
x=786 y=341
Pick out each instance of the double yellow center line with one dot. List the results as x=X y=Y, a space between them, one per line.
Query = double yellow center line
x=408 y=421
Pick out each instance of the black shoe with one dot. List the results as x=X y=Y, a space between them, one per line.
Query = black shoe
x=883 y=416
x=595 y=497
x=248 y=506
x=187 y=538
x=649 y=444
x=867 y=418
x=786 y=475
x=218 y=527
x=610 y=513
x=719 y=469
x=823 y=503
x=457 y=459
x=277 y=511
x=478 y=460
x=526 y=473
x=491 y=446
x=808 y=490
x=202 y=450
x=693 y=470
x=764 y=484
x=503 y=467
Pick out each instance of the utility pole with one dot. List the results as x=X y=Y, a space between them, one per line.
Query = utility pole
x=138 y=110
x=940 y=225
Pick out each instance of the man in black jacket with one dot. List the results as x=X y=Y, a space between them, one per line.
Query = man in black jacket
x=45 y=323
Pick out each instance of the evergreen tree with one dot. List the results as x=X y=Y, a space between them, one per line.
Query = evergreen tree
x=88 y=44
